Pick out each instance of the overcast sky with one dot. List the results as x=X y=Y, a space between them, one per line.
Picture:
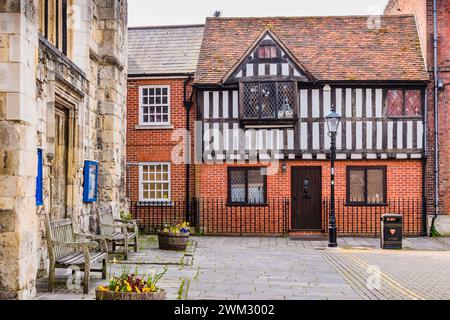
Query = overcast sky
x=169 y=12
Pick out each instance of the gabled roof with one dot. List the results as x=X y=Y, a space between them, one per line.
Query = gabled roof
x=164 y=50
x=267 y=34
x=330 y=48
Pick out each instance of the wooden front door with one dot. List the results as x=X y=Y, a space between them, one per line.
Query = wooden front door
x=58 y=194
x=306 y=198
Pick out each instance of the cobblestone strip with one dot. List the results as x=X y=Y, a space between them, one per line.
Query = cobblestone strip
x=351 y=275
x=425 y=273
x=356 y=273
x=388 y=280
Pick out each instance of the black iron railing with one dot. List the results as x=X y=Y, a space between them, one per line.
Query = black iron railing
x=366 y=220
x=154 y=215
x=215 y=216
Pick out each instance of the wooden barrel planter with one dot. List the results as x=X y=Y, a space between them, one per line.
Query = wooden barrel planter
x=112 y=295
x=175 y=242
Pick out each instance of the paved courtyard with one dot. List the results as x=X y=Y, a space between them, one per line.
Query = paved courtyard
x=282 y=268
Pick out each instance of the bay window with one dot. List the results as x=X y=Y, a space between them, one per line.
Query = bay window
x=268 y=100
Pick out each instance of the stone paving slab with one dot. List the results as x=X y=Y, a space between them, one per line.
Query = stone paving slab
x=279 y=268
x=421 y=244
x=264 y=268
x=149 y=253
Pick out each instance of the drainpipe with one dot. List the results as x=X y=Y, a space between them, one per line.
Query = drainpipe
x=187 y=104
x=424 y=166
x=436 y=116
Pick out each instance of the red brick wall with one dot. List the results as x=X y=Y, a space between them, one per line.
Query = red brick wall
x=155 y=145
x=404 y=180
x=424 y=15
x=444 y=102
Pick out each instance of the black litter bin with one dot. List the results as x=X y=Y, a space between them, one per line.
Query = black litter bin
x=391 y=231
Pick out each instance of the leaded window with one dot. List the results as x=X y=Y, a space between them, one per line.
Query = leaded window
x=366 y=185
x=268 y=100
x=155 y=105
x=247 y=186
x=267 y=52
x=400 y=102
x=154 y=182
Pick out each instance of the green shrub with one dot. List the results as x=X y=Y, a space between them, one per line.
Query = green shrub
x=434 y=233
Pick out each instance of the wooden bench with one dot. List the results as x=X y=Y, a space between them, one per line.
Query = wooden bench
x=66 y=249
x=120 y=232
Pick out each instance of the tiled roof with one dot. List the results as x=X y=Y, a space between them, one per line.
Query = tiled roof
x=330 y=48
x=164 y=50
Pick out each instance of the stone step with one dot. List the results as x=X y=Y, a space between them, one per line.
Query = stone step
x=307 y=235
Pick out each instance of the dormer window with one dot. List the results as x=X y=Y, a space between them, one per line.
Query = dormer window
x=267 y=52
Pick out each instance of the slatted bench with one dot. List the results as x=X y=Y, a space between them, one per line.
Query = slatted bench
x=120 y=232
x=66 y=249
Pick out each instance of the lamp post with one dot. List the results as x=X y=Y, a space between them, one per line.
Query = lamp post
x=333 y=120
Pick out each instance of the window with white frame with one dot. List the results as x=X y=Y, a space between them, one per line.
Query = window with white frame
x=155 y=105
x=154 y=181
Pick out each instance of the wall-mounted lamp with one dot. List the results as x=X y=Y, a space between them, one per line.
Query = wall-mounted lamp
x=284 y=167
x=327 y=88
x=440 y=84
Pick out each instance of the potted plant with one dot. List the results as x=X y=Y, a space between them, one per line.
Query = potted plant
x=174 y=237
x=126 y=216
x=132 y=287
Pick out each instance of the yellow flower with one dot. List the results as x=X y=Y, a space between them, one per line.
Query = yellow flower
x=151 y=288
x=102 y=288
x=114 y=260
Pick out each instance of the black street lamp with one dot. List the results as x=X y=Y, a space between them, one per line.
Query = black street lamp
x=333 y=120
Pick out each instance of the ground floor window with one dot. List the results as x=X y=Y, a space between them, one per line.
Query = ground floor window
x=154 y=181
x=247 y=185
x=366 y=185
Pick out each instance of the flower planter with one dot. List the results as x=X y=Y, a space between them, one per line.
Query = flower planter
x=175 y=242
x=112 y=295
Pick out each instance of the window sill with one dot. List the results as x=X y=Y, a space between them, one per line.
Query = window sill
x=230 y=204
x=155 y=204
x=419 y=117
x=154 y=127
x=364 y=204
x=247 y=122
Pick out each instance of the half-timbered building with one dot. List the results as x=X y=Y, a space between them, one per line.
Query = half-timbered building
x=264 y=87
